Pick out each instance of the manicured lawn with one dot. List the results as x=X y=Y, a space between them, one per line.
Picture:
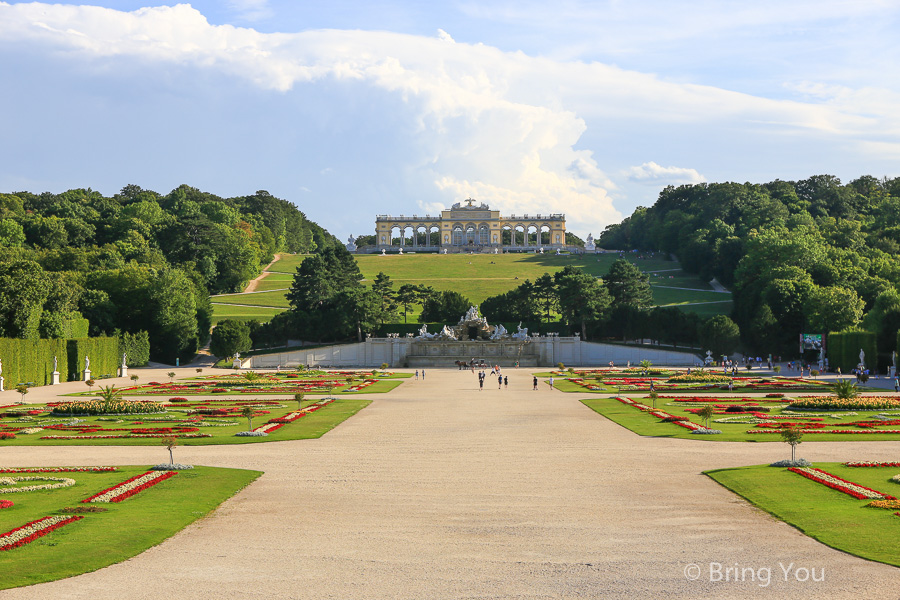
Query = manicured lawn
x=126 y=529
x=827 y=515
x=275 y=281
x=643 y=423
x=220 y=427
x=243 y=313
x=276 y=299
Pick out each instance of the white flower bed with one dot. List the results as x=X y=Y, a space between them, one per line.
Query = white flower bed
x=171 y=467
x=251 y=434
x=30 y=430
x=705 y=431
x=61 y=482
x=11 y=539
x=800 y=462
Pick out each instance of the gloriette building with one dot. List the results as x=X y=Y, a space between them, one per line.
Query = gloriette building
x=466 y=226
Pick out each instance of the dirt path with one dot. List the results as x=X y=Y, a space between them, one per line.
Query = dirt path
x=251 y=287
x=437 y=490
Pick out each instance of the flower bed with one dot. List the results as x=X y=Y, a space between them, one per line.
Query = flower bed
x=871 y=463
x=59 y=470
x=5 y=503
x=842 y=485
x=32 y=531
x=61 y=482
x=105 y=407
x=834 y=403
x=130 y=487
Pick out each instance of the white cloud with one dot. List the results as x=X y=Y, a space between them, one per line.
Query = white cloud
x=650 y=172
x=502 y=127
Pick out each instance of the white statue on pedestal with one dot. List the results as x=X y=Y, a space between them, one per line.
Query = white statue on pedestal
x=383 y=252
x=87 y=363
x=589 y=244
x=447 y=333
x=55 y=365
x=351 y=244
x=499 y=332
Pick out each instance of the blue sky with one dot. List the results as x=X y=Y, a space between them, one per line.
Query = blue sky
x=351 y=109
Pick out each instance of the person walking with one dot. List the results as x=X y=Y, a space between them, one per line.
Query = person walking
x=480 y=384
x=417 y=374
x=499 y=382
x=551 y=382
x=535 y=383
x=423 y=374
x=505 y=382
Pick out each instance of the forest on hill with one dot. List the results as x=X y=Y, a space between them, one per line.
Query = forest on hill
x=811 y=256
x=137 y=261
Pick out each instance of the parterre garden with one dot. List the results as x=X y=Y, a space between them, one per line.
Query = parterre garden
x=850 y=506
x=225 y=414
x=98 y=516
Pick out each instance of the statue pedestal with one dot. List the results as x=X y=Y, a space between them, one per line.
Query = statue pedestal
x=123 y=371
x=87 y=374
x=236 y=363
x=2 y=389
x=54 y=378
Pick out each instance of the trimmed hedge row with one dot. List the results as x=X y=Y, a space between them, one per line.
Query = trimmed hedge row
x=136 y=347
x=103 y=352
x=31 y=361
x=843 y=349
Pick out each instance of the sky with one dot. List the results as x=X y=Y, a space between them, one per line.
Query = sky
x=354 y=109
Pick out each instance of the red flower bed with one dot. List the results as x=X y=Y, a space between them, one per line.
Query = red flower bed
x=871 y=464
x=5 y=503
x=38 y=530
x=127 y=491
x=5 y=435
x=842 y=485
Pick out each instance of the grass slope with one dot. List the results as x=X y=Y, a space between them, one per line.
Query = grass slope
x=125 y=530
x=480 y=276
x=827 y=515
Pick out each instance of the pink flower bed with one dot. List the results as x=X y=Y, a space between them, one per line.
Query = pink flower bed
x=32 y=531
x=5 y=503
x=130 y=487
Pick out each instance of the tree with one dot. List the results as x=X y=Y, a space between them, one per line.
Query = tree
x=446 y=306
x=24 y=288
x=408 y=295
x=792 y=436
x=247 y=413
x=230 y=337
x=298 y=397
x=383 y=288
x=545 y=293
x=22 y=389
x=706 y=413
x=169 y=442
x=582 y=297
x=845 y=389
x=720 y=335
x=628 y=285
x=171 y=376
x=833 y=308
x=357 y=310
x=90 y=383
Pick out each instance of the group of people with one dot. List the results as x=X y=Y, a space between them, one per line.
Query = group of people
x=502 y=381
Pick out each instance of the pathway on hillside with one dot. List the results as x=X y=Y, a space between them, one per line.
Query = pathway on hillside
x=440 y=491
x=251 y=287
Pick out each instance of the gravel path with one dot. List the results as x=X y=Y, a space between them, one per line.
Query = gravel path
x=437 y=490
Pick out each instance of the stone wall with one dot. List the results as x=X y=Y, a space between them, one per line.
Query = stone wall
x=400 y=352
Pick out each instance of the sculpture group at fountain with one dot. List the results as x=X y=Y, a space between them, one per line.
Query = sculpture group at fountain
x=473 y=326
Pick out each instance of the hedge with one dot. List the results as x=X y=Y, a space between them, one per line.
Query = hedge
x=843 y=349
x=103 y=352
x=75 y=328
x=136 y=347
x=31 y=361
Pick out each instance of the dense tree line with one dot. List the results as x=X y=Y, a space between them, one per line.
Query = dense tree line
x=809 y=256
x=137 y=261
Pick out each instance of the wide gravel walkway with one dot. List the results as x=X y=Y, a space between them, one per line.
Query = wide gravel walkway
x=437 y=490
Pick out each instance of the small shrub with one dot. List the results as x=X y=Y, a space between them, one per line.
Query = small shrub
x=77 y=510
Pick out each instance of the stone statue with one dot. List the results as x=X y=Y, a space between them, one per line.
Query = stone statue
x=401 y=250
x=521 y=333
x=423 y=333
x=383 y=252
x=351 y=243
x=55 y=365
x=448 y=333
x=87 y=363
x=862 y=356
x=589 y=243
x=1 y=367
x=499 y=332
x=542 y=250
x=124 y=360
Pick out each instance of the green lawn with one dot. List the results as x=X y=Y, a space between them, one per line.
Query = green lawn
x=480 y=276
x=126 y=529
x=824 y=514
x=645 y=424
x=243 y=313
